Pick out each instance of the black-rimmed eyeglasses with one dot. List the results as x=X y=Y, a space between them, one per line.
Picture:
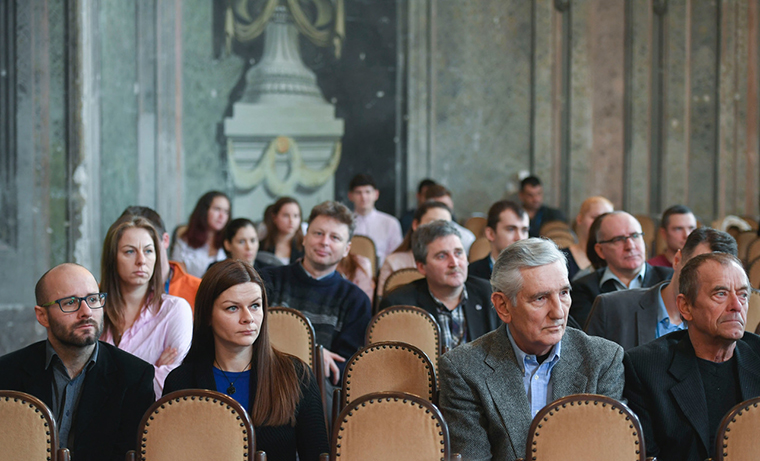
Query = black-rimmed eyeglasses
x=619 y=240
x=73 y=303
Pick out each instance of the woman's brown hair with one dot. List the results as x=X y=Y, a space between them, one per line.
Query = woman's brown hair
x=270 y=240
x=278 y=389
x=197 y=226
x=109 y=274
x=406 y=244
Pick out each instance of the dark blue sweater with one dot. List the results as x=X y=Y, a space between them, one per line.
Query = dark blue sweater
x=339 y=310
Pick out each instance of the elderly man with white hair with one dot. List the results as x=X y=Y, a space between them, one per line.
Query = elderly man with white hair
x=492 y=387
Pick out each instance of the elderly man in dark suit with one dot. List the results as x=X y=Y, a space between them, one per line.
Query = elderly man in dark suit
x=493 y=387
x=461 y=305
x=620 y=243
x=634 y=317
x=506 y=224
x=98 y=393
x=668 y=381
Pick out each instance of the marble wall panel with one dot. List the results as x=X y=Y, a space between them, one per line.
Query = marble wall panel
x=546 y=96
x=482 y=90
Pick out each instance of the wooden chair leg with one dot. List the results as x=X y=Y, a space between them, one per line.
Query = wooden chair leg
x=63 y=454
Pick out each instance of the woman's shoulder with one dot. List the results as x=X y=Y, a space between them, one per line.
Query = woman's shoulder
x=174 y=306
x=182 y=377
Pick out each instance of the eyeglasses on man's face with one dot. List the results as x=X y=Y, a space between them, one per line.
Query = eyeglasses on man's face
x=620 y=239
x=73 y=303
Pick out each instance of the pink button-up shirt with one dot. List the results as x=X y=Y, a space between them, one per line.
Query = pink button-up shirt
x=153 y=331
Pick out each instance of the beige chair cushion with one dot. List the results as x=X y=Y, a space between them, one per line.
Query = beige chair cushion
x=398 y=429
x=291 y=332
x=25 y=431
x=364 y=246
x=195 y=429
x=479 y=249
x=740 y=441
x=401 y=277
x=409 y=325
x=389 y=367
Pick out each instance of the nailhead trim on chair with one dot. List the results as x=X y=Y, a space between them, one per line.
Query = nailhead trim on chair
x=349 y=369
x=410 y=311
x=585 y=402
x=733 y=420
x=42 y=417
x=170 y=402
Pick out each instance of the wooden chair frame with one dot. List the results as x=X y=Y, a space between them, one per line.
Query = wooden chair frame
x=724 y=437
x=316 y=353
x=584 y=399
x=396 y=274
x=386 y=397
x=367 y=241
x=235 y=408
x=393 y=310
x=48 y=420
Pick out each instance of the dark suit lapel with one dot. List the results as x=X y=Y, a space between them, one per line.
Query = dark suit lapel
x=646 y=316
x=475 y=313
x=689 y=393
x=508 y=391
x=38 y=381
x=749 y=370
x=98 y=380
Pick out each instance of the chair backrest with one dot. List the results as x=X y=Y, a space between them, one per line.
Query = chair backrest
x=753 y=250
x=752 y=221
x=389 y=366
x=479 y=249
x=401 y=277
x=753 y=272
x=553 y=226
x=753 y=311
x=390 y=425
x=585 y=427
x=743 y=241
x=364 y=246
x=27 y=429
x=195 y=424
x=649 y=227
x=291 y=332
x=737 y=433
x=408 y=324
x=476 y=225
x=562 y=237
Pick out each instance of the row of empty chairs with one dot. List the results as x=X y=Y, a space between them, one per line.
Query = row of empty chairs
x=200 y=425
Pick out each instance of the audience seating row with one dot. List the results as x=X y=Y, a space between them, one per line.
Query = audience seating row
x=200 y=424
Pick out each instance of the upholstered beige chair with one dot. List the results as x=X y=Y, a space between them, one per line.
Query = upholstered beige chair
x=27 y=429
x=476 y=225
x=195 y=424
x=585 y=427
x=364 y=246
x=737 y=438
x=408 y=324
x=390 y=426
x=401 y=277
x=479 y=249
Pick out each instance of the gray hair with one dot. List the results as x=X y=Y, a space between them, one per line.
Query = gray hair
x=427 y=234
x=533 y=252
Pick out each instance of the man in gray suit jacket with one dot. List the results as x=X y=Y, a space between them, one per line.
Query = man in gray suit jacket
x=634 y=317
x=492 y=387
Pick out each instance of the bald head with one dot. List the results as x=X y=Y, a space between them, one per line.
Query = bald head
x=66 y=278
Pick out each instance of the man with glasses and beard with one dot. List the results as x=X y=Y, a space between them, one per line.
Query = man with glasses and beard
x=97 y=393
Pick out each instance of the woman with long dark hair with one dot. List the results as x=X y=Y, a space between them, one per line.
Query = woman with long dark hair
x=200 y=243
x=139 y=317
x=231 y=353
x=284 y=236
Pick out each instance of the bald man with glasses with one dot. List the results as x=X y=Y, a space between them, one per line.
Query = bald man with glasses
x=97 y=393
x=620 y=244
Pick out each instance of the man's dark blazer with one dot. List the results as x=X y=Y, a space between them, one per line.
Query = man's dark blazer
x=628 y=317
x=480 y=268
x=587 y=288
x=117 y=392
x=478 y=311
x=664 y=388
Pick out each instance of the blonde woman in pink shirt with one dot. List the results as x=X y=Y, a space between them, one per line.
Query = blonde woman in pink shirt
x=140 y=318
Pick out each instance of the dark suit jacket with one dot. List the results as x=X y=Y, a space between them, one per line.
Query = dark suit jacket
x=664 y=388
x=480 y=268
x=117 y=392
x=483 y=395
x=478 y=311
x=586 y=289
x=627 y=317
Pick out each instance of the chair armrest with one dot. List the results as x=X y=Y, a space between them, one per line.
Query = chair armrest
x=456 y=457
x=260 y=456
x=131 y=455
x=63 y=454
x=324 y=457
x=654 y=458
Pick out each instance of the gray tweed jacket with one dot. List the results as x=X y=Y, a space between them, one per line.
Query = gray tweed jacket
x=483 y=397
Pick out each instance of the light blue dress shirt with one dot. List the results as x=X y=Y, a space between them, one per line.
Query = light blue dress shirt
x=536 y=377
x=663 y=319
x=637 y=281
